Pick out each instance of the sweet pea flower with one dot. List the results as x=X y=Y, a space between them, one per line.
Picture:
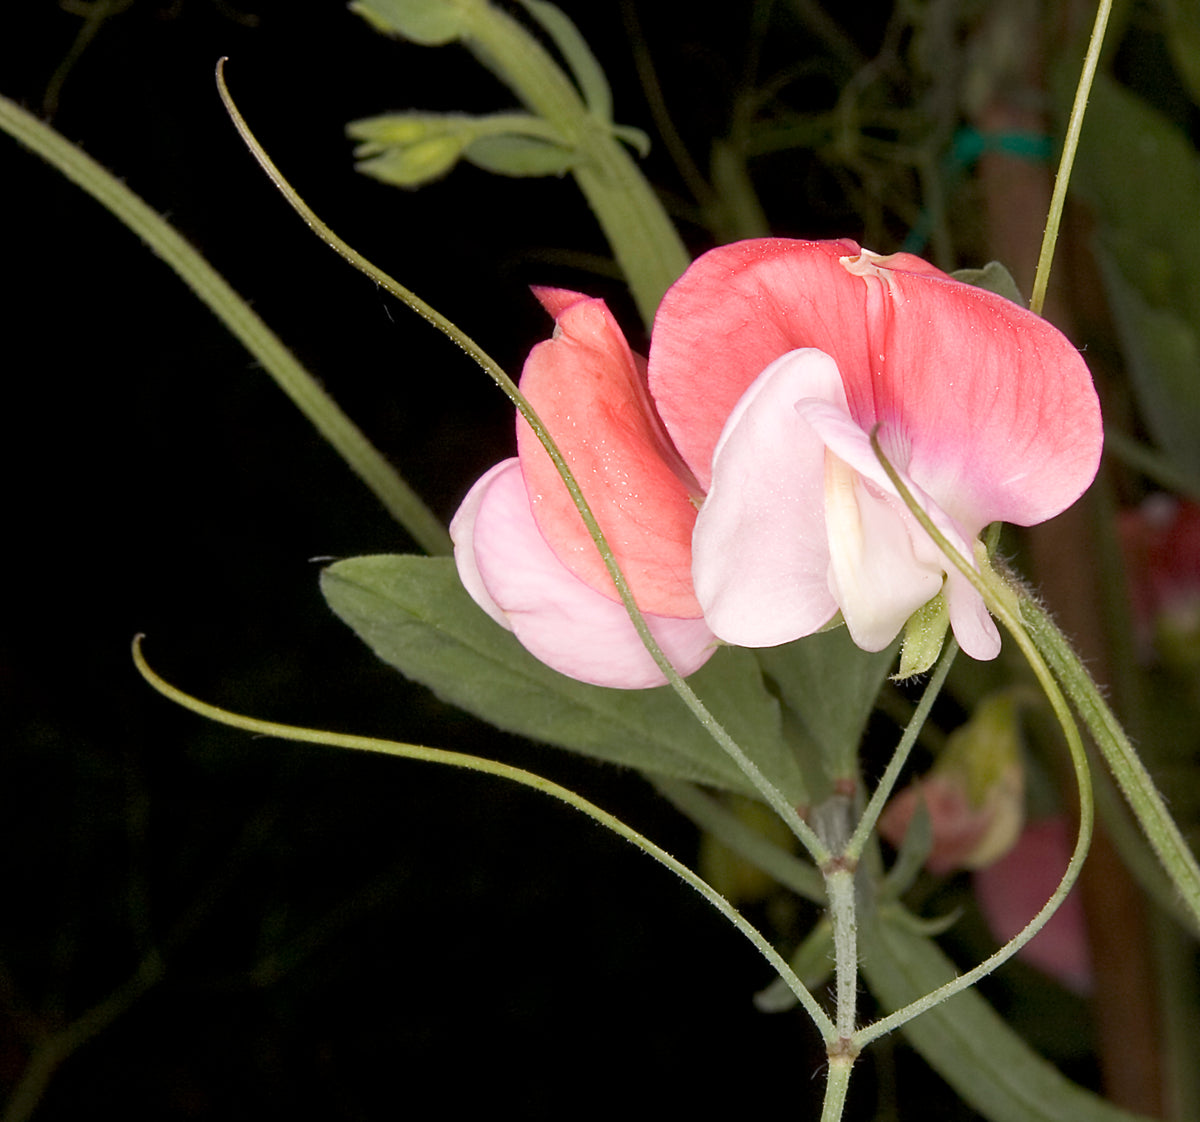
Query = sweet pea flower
x=771 y=364
x=1160 y=540
x=522 y=550
x=975 y=794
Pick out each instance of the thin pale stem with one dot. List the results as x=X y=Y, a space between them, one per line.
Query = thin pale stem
x=908 y=740
x=837 y=1083
x=1071 y=143
x=839 y=890
x=347 y=439
x=771 y=794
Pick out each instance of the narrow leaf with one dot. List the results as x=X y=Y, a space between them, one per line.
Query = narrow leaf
x=830 y=686
x=965 y=1040
x=431 y=23
x=586 y=70
x=1162 y=350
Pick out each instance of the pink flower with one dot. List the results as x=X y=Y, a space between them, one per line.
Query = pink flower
x=1161 y=543
x=525 y=555
x=975 y=794
x=1013 y=890
x=965 y=835
x=771 y=362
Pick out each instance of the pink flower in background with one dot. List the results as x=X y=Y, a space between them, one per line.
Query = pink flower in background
x=1012 y=891
x=1160 y=540
x=965 y=835
x=771 y=362
x=975 y=794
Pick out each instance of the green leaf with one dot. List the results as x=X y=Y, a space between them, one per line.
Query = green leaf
x=1183 y=41
x=993 y=277
x=1141 y=176
x=520 y=155
x=414 y=613
x=431 y=23
x=413 y=148
x=1162 y=351
x=964 y=1039
x=830 y=686
x=571 y=45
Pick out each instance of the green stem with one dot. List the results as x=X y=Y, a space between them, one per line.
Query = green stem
x=1127 y=769
x=349 y=442
x=645 y=242
x=514 y=775
x=52 y=1049
x=866 y=824
x=837 y=1083
x=839 y=890
x=1061 y=181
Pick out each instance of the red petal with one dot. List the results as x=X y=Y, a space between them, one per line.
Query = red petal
x=996 y=405
x=589 y=390
x=736 y=310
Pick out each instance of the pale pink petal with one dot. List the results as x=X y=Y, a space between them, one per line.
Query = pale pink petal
x=589 y=390
x=761 y=555
x=462 y=533
x=877 y=575
x=970 y=620
x=1013 y=890
x=508 y=568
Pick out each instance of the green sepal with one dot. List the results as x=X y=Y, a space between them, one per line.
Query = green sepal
x=924 y=637
x=414 y=614
x=409 y=149
x=993 y=277
x=520 y=156
x=432 y=23
x=634 y=137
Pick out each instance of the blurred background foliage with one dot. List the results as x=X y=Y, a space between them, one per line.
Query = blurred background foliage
x=197 y=925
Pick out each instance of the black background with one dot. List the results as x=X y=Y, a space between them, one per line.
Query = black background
x=343 y=937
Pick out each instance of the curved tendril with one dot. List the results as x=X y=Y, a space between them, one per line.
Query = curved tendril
x=514 y=775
